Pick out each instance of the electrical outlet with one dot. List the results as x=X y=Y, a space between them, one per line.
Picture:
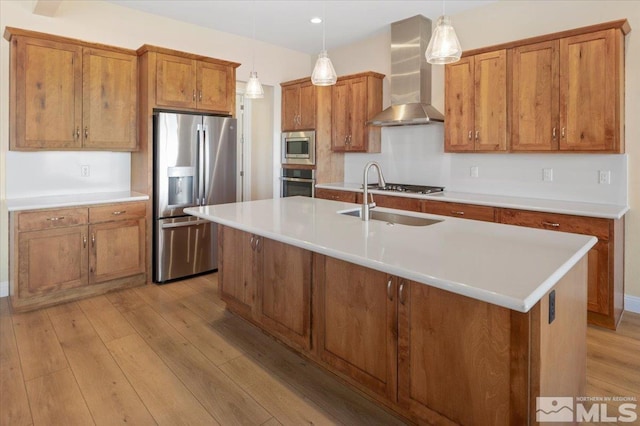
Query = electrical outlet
x=84 y=171
x=552 y=306
x=604 y=177
x=474 y=171
x=547 y=175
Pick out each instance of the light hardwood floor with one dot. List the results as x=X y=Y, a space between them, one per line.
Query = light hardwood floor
x=172 y=355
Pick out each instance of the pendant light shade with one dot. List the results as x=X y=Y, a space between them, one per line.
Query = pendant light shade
x=444 y=47
x=323 y=73
x=254 y=88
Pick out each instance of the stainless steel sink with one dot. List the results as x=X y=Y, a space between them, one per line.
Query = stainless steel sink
x=394 y=218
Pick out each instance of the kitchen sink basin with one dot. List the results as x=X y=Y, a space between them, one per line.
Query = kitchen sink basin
x=394 y=218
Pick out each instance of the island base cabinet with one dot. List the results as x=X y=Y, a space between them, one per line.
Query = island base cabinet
x=267 y=283
x=357 y=323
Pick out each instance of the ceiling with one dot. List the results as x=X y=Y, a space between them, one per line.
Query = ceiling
x=286 y=23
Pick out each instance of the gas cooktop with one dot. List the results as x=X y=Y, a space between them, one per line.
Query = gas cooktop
x=413 y=189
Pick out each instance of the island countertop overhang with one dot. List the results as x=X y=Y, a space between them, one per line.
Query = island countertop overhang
x=505 y=265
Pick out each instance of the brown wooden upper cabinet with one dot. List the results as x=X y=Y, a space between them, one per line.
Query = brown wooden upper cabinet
x=355 y=99
x=298 y=105
x=184 y=82
x=476 y=103
x=567 y=94
x=70 y=95
x=562 y=92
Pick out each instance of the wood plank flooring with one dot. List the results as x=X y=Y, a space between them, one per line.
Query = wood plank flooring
x=173 y=355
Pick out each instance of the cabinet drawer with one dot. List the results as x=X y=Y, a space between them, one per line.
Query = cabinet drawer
x=558 y=222
x=111 y=212
x=467 y=211
x=330 y=194
x=48 y=219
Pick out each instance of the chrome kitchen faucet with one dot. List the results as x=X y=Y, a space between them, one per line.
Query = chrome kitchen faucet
x=366 y=206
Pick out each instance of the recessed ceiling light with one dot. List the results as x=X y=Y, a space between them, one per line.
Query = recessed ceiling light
x=316 y=20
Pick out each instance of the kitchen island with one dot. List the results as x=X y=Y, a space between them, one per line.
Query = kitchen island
x=449 y=322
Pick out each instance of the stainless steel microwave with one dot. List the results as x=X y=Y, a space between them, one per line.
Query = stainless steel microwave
x=299 y=147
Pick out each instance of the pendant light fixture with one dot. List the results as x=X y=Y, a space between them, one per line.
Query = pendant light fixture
x=323 y=73
x=253 y=90
x=444 y=47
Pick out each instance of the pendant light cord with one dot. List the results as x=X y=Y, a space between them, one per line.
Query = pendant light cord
x=324 y=20
x=443 y=12
x=253 y=50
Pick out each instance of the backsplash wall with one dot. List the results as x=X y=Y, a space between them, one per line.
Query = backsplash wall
x=415 y=154
x=35 y=174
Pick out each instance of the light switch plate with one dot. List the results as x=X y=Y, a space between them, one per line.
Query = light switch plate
x=547 y=175
x=604 y=177
x=474 y=173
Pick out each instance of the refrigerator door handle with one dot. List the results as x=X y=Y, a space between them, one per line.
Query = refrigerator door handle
x=201 y=136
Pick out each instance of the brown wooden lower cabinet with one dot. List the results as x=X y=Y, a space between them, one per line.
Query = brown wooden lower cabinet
x=58 y=255
x=336 y=195
x=356 y=325
x=433 y=356
x=606 y=258
x=268 y=283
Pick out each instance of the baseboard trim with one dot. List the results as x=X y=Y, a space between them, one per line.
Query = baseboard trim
x=632 y=304
x=4 y=288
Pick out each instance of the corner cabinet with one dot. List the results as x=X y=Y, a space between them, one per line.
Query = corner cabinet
x=190 y=82
x=70 y=95
x=298 y=105
x=476 y=103
x=356 y=99
x=59 y=255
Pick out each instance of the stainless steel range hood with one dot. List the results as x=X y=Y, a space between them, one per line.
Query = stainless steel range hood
x=410 y=80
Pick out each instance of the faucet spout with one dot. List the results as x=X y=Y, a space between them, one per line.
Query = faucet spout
x=366 y=206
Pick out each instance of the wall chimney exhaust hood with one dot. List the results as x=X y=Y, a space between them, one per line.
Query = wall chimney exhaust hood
x=410 y=79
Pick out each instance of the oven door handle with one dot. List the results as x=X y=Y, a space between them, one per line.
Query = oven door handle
x=185 y=224
x=288 y=179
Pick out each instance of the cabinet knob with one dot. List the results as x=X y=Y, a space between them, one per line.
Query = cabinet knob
x=119 y=212
x=84 y=241
x=551 y=224
x=390 y=289
x=457 y=212
x=553 y=133
x=477 y=134
x=86 y=132
x=93 y=240
x=194 y=94
x=76 y=134
x=470 y=134
x=562 y=132
x=200 y=95
x=55 y=218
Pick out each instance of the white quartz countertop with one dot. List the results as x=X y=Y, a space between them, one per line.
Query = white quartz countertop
x=70 y=200
x=506 y=265
x=606 y=211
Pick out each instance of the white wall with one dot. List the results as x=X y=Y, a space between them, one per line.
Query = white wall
x=417 y=153
x=41 y=173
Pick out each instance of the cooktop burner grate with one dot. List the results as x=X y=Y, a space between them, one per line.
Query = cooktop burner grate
x=414 y=189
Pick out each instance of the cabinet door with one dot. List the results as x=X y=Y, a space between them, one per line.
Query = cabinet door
x=52 y=260
x=117 y=250
x=588 y=95
x=490 y=116
x=290 y=107
x=598 y=296
x=535 y=97
x=459 y=106
x=357 y=115
x=451 y=351
x=215 y=87
x=48 y=95
x=109 y=100
x=357 y=324
x=285 y=303
x=466 y=211
x=340 y=115
x=307 y=120
x=175 y=81
x=237 y=261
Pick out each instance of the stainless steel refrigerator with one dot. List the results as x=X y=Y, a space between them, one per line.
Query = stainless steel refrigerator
x=194 y=165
